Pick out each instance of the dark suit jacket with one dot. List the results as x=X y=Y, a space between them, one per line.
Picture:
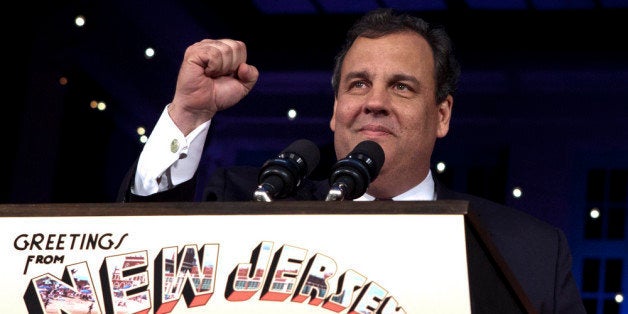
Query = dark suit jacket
x=536 y=253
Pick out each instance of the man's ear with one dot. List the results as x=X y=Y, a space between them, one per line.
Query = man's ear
x=332 y=121
x=444 y=116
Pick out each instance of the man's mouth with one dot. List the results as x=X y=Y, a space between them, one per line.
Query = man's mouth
x=372 y=130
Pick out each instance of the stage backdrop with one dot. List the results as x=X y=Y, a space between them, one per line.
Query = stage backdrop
x=313 y=257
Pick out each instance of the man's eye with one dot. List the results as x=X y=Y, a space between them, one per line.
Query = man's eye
x=358 y=84
x=400 y=86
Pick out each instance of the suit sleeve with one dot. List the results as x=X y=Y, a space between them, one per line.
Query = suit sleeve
x=567 y=295
x=184 y=192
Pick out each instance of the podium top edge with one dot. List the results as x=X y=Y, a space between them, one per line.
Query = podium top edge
x=451 y=207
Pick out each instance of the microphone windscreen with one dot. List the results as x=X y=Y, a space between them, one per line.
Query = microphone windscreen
x=376 y=154
x=307 y=150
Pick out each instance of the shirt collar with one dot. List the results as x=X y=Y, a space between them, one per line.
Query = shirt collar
x=424 y=191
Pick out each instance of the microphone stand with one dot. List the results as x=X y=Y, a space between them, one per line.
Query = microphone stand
x=337 y=192
x=262 y=194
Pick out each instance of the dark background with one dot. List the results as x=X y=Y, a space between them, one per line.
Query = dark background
x=532 y=74
x=542 y=104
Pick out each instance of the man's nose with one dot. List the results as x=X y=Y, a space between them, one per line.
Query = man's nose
x=377 y=101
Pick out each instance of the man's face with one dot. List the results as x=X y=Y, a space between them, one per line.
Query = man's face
x=387 y=94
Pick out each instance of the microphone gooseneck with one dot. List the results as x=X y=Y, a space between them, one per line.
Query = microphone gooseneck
x=280 y=176
x=351 y=176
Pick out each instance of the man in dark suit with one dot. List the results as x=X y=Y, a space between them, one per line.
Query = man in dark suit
x=393 y=82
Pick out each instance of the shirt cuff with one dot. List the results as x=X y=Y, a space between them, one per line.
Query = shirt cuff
x=168 y=158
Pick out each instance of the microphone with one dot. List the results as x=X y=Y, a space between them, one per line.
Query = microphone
x=351 y=176
x=280 y=176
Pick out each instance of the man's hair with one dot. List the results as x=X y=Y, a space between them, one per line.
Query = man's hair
x=385 y=21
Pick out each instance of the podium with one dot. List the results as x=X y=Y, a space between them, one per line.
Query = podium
x=243 y=257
